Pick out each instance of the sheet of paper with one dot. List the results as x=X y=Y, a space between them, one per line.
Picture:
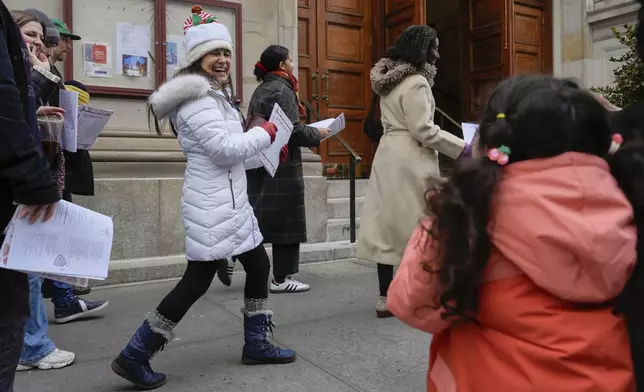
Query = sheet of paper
x=322 y=124
x=271 y=156
x=97 y=60
x=175 y=51
x=71 y=280
x=69 y=102
x=132 y=47
x=334 y=125
x=91 y=122
x=469 y=130
x=76 y=242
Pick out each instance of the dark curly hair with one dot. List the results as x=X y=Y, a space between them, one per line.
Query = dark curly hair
x=544 y=117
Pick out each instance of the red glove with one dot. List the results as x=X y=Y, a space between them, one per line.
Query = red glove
x=271 y=129
x=284 y=154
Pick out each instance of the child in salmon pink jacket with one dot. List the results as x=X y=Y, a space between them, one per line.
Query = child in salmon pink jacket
x=525 y=270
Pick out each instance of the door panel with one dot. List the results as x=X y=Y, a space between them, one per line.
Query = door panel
x=307 y=51
x=344 y=61
x=486 y=39
x=400 y=14
x=528 y=39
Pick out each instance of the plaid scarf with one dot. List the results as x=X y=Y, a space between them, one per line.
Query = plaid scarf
x=295 y=86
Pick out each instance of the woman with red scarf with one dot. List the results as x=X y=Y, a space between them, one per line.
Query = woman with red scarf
x=278 y=201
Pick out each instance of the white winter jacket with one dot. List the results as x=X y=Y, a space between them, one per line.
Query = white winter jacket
x=218 y=220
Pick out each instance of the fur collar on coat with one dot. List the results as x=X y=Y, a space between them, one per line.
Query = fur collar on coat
x=387 y=74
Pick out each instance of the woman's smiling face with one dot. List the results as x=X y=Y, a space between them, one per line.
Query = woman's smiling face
x=217 y=64
x=33 y=35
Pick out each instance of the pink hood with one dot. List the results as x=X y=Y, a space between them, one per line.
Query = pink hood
x=566 y=224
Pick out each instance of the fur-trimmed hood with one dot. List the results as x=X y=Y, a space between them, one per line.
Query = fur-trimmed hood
x=387 y=74
x=175 y=92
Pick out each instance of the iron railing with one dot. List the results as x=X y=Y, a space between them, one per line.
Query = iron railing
x=354 y=159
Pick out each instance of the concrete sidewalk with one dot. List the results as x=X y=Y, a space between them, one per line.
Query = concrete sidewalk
x=341 y=345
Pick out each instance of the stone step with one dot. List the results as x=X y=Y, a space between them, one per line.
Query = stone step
x=337 y=189
x=155 y=268
x=339 y=208
x=339 y=230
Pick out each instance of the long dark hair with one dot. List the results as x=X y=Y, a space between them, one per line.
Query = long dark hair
x=158 y=124
x=544 y=117
x=414 y=45
x=270 y=61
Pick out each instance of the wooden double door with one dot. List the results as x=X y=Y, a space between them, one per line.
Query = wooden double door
x=499 y=38
x=334 y=60
x=339 y=40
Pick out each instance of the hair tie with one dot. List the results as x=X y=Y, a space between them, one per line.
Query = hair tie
x=500 y=155
x=260 y=66
x=615 y=143
x=500 y=116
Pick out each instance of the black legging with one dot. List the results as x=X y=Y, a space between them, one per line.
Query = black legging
x=199 y=275
x=385 y=276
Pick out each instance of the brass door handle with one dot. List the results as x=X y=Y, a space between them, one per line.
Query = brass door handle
x=316 y=93
x=325 y=78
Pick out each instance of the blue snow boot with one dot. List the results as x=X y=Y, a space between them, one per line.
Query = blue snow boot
x=133 y=364
x=257 y=349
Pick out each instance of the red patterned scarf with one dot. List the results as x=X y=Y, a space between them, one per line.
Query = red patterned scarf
x=295 y=86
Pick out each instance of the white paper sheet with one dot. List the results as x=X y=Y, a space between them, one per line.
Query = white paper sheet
x=69 y=102
x=469 y=130
x=91 y=122
x=97 y=60
x=271 y=156
x=71 y=280
x=334 y=125
x=76 y=242
x=132 y=47
x=175 y=51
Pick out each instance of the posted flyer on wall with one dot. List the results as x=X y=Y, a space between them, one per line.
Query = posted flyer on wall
x=132 y=48
x=97 y=63
x=174 y=50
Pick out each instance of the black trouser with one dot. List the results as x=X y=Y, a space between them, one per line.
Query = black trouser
x=199 y=275
x=385 y=276
x=286 y=260
x=11 y=338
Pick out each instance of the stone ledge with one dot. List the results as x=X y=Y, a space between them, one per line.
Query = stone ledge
x=614 y=12
x=157 y=268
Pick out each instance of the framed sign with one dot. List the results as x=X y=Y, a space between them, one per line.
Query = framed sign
x=130 y=47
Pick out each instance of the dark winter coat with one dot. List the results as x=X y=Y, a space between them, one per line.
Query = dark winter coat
x=24 y=173
x=278 y=202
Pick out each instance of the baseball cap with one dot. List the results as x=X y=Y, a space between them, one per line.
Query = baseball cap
x=63 y=30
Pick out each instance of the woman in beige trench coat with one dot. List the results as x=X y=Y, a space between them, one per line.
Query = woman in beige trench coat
x=406 y=162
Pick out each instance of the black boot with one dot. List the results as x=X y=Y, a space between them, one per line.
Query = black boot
x=133 y=364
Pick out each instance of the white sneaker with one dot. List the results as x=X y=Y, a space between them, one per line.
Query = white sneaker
x=56 y=360
x=290 y=285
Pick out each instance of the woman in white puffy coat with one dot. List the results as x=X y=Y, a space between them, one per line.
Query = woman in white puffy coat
x=218 y=219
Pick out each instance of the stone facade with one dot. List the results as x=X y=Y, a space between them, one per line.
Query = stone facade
x=583 y=41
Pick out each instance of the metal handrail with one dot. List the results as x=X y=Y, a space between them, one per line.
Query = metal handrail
x=353 y=159
x=439 y=110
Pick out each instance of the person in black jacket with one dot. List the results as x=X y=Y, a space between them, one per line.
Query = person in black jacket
x=24 y=179
x=278 y=202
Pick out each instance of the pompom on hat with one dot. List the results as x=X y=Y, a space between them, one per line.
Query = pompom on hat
x=203 y=34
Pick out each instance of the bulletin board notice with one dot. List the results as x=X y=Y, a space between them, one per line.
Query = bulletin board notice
x=117 y=46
